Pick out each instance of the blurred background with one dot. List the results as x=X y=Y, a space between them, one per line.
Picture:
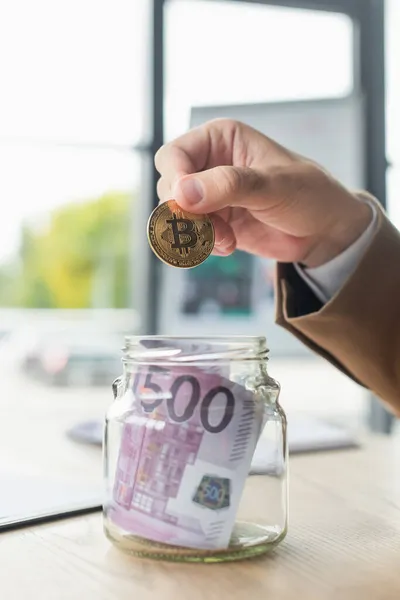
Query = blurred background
x=89 y=90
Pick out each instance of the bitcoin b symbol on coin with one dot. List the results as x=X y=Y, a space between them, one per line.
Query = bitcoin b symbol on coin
x=178 y=238
x=184 y=234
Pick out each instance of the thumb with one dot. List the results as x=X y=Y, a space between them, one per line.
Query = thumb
x=217 y=188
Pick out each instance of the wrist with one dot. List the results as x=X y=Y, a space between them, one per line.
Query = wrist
x=341 y=235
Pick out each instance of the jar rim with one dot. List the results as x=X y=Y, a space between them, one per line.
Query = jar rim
x=202 y=338
x=190 y=349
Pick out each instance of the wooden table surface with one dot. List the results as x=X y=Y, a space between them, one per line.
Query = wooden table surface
x=343 y=543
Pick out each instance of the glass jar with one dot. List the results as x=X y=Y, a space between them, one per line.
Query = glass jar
x=195 y=451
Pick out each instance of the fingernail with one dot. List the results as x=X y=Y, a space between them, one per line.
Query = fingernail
x=192 y=190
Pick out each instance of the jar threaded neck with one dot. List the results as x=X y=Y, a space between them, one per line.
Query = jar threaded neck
x=187 y=350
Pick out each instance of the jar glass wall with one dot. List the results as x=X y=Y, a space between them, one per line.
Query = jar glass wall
x=195 y=451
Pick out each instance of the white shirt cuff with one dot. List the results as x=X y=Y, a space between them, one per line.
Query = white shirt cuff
x=326 y=280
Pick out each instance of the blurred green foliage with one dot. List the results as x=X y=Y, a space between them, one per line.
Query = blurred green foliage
x=79 y=259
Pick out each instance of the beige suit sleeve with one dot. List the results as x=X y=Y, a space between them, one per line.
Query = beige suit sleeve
x=359 y=329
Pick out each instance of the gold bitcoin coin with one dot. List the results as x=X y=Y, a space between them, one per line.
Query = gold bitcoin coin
x=179 y=238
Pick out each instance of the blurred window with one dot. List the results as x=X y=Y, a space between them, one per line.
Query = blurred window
x=73 y=108
x=240 y=52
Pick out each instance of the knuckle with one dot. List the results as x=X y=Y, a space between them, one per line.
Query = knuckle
x=235 y=180
x=224 y=122
x=223 y=128
x=167 y=156
x=230 y=180
x=161 y=154
x=158 y=158
x=163 y=188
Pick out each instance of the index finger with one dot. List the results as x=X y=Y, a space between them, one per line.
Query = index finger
x=186 y=155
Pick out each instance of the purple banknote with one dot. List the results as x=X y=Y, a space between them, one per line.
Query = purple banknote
x=185 y=452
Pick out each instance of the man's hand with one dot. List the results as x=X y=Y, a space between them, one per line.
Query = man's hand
x=263 y=198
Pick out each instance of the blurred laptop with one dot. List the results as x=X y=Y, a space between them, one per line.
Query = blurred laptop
x=26 y=499
x=305 y=434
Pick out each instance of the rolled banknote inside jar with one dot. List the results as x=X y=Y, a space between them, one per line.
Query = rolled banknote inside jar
x=185 y=453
